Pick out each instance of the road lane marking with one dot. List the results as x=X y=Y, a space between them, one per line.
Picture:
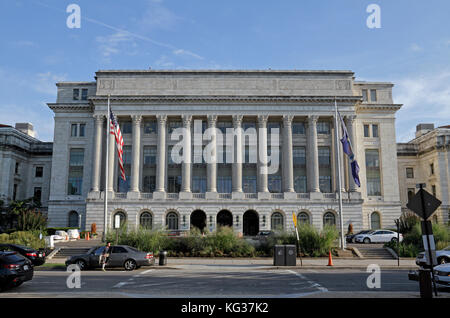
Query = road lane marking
x=313 y=284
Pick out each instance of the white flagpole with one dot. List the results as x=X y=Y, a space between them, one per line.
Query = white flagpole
x=105 y=208
x=338 y=153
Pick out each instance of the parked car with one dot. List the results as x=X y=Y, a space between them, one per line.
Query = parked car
x=443 y=257
x=36 y=257
x=378 y=236
x=120 y=256
x=351 y=237
x=14 y=269
x=442 y=274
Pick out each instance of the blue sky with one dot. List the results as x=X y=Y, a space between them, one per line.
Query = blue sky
x=411 y=49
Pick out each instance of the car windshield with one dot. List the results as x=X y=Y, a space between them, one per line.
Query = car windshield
x=99 y=250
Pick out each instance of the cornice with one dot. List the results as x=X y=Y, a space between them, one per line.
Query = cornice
x=70 y=107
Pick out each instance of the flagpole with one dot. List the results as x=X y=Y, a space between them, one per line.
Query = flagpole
x=105 y=207
x=338 y=159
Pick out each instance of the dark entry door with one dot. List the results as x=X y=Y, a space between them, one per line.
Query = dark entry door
x=251 y=223
x=224 y=218
x=198 y=220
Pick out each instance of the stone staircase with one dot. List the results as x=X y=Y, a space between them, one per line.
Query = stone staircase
x=68 y=252
x=376 y=252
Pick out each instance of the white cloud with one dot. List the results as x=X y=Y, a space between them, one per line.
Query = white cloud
x=425 y=98
x=181 y=52
x=114 y=44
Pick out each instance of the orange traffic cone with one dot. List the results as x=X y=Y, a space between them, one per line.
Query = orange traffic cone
x=330 y=259
x=87 y=236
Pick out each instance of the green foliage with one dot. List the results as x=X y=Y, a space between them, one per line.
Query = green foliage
x=31 y=220
x=314 y=243
x=26 y=238
x=407 y=221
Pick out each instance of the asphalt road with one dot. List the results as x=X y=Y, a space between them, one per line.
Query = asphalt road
x=220 y=281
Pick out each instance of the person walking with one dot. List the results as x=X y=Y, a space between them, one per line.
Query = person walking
x=104 y=258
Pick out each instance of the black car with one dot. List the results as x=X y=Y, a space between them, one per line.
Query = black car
x=36 y=257
x=120 y=256
x=14 y=270
x=350 y=237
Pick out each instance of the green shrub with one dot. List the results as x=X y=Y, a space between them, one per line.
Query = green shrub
x=407 y=221
x=26 y=238
x=31 y=220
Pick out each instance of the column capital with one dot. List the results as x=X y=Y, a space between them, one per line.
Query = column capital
x=350 y=118
x=99 y=118
x=287 y=120
x=161 y=119
x=237 y=120
x=136 y=119
x=212 y=120
x=262 y=120
x=186 y=120
x=313 y=119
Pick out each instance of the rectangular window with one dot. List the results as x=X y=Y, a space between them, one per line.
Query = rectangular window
x=324 y=169
x=373 y=172
x=274 y=183
x=82 y=130
x=76 y=93
x=125 y=127
x=223 y=125
x=432 y=169
x=224 y=184
x=249 y=184
x=149 y=184
x=150 y=155
x=84 y=94
x=248 y=124
x=272 y=126
x=39 y=172
x=174 y=125
x=375 y=131
x=299 y=154
x=150 y=127
x=124 y=186
x=298 y=128
x=16 y=169
x=300 y=183
x=411 y=193
x=373 y=95
x=37 y=194
x=76 y=162
x=366 y=131
x=364 y=95
x=433 y=190
x=323 y=127
x=73 y=130
x=174 y=184
x=14 y=192
x=410 y=173
x=199 y=184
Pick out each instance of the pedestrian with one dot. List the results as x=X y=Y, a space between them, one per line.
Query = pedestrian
x=104 y=258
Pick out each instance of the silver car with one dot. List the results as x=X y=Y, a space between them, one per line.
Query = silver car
x=120 y=256
x=443 y=257
x=442 y=275
x=378 y=236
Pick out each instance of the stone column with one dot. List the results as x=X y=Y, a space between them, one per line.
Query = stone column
x=237 y=160
x=112 y=159
x=136 y=155
x=263 y=191
x=161 y=153
x=211 y=169
x=99 y=119
x=186 y=164
x=349 y=121
x=313 y=154
x=287 y=157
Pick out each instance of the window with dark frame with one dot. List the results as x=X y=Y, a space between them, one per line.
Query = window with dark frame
x=39 y=172
x=409 y=173
x=76 y=94
x=84 y=94
x=364 y=95
x=366 y=131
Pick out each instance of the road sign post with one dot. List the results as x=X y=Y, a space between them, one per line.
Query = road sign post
x=397 y=222
x=424 y=205
x=294 y=219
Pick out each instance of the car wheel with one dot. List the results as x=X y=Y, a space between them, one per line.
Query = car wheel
x=366 y=240
x=394 y=240
x=130 y=265
x=81 y=264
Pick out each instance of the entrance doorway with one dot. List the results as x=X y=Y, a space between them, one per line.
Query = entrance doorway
x=224 y=218
x=198 y=220
x=251 y=223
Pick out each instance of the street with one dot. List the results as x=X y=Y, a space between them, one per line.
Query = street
x=220 y=281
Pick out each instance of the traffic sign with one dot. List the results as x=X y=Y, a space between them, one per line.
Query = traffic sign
x=426 y=208
x=294 y=218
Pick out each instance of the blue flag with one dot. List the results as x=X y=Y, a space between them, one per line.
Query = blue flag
x=347 y=148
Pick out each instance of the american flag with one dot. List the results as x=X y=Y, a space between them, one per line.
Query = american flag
x=115 y=130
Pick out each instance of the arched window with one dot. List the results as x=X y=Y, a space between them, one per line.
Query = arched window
x=375 y=222
x=172 y=221
x=303 y=218
x=276 y=221
x=329 y=219
x=73 y=219
x=146 y=220
x=123 y=218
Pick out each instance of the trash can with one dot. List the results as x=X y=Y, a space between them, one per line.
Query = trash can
x=279 y=258
x=162 y=258
x=426 y=290
x=291 y=255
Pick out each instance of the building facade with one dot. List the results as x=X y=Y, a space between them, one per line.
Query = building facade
x=426 y=159
x=159 y=191
x=25 y=165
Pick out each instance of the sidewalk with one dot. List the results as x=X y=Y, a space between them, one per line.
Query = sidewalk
x=308 y=263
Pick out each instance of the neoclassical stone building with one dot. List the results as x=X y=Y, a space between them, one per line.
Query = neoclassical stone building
x=151 y=104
